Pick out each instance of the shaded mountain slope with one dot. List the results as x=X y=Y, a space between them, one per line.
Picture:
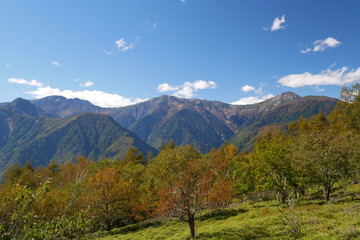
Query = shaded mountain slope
x=39 y=139
x=206 y=124
x=164 y=118
x=58 y=106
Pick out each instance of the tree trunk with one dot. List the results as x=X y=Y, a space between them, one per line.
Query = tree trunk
x=327 y=190
x=191 y=221
x=283 y=197
x=283 y=194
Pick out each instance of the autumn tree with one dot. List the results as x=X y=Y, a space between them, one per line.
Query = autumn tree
x=12 y=173
x=184 y=182
x=109 y=195
x=74 y=172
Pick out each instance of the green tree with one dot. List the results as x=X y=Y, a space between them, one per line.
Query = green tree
x=324 y=156
x=351 y=107
x=276 y=166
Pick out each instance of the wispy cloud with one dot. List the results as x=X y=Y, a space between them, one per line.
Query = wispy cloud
x=7 y=65
x=277 y=24
x=252 y=99
x=87 y=84
x=99 y=98
x=337 y=77
x=25 y=82
x=124 y=46
x=321 y=45
x=151 y=24
x=107 y=52
x=56 y=64
x=187 y=89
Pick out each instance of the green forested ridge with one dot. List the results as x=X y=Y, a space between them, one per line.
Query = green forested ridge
x=28 y=135
x=185 y=127
x=154 y=120
x=299 y=183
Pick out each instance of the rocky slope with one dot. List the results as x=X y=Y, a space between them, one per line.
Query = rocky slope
x=206 y=124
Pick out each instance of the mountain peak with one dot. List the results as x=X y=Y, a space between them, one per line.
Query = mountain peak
x=289 y=96
x=22 y=106
x=168 y=98
x=282 y=98
x=60 y=106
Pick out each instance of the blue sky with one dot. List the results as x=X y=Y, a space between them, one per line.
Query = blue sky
x=119 y=52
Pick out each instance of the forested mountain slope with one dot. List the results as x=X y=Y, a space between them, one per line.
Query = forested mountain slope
x=206 y=124
x=27 y=134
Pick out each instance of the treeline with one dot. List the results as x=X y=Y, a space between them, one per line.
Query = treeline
x=72 y=199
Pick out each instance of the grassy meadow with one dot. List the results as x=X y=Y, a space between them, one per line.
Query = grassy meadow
x=301 y=219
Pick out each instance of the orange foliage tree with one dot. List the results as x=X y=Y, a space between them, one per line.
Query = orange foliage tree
x=185 y=183
x=108 y=196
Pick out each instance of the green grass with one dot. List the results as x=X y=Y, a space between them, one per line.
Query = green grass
x=260 y=220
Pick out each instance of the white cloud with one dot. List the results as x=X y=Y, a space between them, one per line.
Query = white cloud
x=258 y=91
x=56 y=64
x=183 y=1
x=277 y=23
x=187 y=89
x=165 y=87
x=321 y=45
x=7 y=65
x=252 y=99
x=25 y=82
x=98 y=98
x=124 y=46
x=247 y=88
x=338 y=77
x=201 y=84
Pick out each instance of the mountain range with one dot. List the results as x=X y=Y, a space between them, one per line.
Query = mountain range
x=28 y=133
x=62 y=129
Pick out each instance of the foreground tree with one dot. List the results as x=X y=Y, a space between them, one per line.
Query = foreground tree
x=277 y=169
x=324 y=155
x=108 y=195
x=185 y=183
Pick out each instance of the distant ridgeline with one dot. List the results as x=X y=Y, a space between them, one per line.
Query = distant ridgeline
x=27 y=133
x=60 y=129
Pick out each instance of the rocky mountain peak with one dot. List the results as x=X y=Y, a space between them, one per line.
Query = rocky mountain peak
x=282 y=98
x=289 y=96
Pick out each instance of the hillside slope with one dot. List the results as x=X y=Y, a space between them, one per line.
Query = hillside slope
x=311 y=219
x=206 y=124
x=39 y=139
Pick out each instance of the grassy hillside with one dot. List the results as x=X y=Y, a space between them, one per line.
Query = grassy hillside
x=337 y=219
